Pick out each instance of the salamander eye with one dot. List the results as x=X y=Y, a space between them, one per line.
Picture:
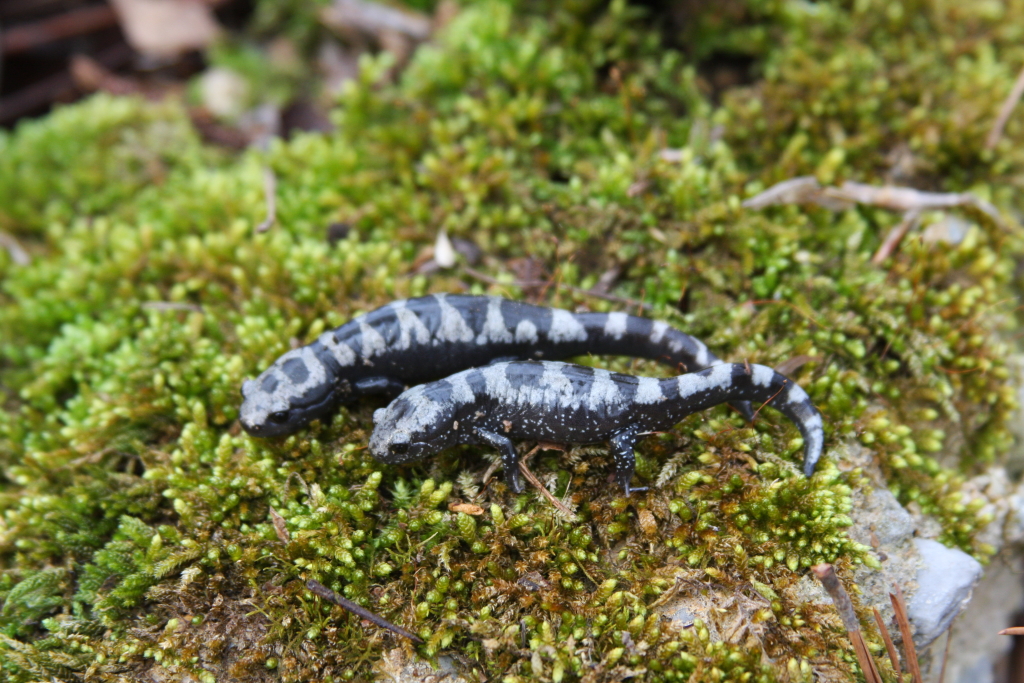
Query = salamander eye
x=280 y=417
x=400 y=448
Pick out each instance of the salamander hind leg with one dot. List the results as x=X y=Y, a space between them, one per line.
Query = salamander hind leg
x=622 y=445
x=509 y=457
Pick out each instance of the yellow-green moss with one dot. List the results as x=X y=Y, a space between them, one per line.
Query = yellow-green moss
x=136 y=521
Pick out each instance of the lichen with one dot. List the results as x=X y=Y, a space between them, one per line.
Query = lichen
x=137 y=526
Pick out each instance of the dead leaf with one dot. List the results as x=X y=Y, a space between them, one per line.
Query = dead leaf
x=444 y=252
x=467 y=508
x=166 y=28
x=647 y=523
x=280 y=526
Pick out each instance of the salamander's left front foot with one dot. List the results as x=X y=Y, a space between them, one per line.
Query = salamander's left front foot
x=625 y=462
x=509 y=457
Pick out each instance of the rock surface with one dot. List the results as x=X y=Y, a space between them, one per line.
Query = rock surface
x=977 y=648
x=944 y=585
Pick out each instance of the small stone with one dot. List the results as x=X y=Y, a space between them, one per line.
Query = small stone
x=336 y=232
x=883 y=515
x=224 y=92
x=680 y=614
x=944 y=584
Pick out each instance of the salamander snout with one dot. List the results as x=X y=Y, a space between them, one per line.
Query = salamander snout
x=411 y=427
x=397 y=447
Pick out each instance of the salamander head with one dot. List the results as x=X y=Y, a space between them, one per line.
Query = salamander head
x=288 y=395
x=413 y=426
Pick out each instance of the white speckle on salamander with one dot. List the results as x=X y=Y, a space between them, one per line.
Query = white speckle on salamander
x=495 y=382
x=558 y=389
x=373 y=343
x=813 y=435
x=720 y=377
x=461 y=391
x=796 y=395
x=526 y=332
x=762 y=376
x=616 y=325
x=410 y=327
x=658 y=331
x=453 y=327
x=701 y=356
x=342 y=352
x=565 y=327
x=494 y=325
x=648 y=391
x=602 y=391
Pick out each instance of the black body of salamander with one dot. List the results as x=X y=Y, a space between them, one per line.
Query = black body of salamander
x=574 y=404
x=417 y=340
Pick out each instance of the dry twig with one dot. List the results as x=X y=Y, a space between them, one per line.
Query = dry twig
x=890 y=646
x=18 y=254
x=807 y=190
x=899 y=605
x=25 y=37
x=1012 y=631
x=896 y=235
x=827 y=575
x=799 y=190
x=532 y=478
x=945 y=652
x=327 y=594
x=1004 y=112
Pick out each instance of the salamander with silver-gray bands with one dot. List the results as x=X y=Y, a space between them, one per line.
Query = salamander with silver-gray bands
x=573 y=404
x=417 y=340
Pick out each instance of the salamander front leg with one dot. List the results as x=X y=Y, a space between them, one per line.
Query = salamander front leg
x=625 y=462
x=509 y=457
x=385 y=386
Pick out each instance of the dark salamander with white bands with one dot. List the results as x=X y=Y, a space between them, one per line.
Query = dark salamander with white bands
x=574 y=404
x=417 y=340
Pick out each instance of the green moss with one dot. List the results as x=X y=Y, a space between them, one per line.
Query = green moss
x=61 y=168
x=137 y=525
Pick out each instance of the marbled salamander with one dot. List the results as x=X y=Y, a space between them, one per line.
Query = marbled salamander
x=565 y=403
x=413 y=341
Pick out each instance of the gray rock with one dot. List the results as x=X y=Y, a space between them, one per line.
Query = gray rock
x=977 y=647
x=881 y=523
x=944 y=584
x=885 y=517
